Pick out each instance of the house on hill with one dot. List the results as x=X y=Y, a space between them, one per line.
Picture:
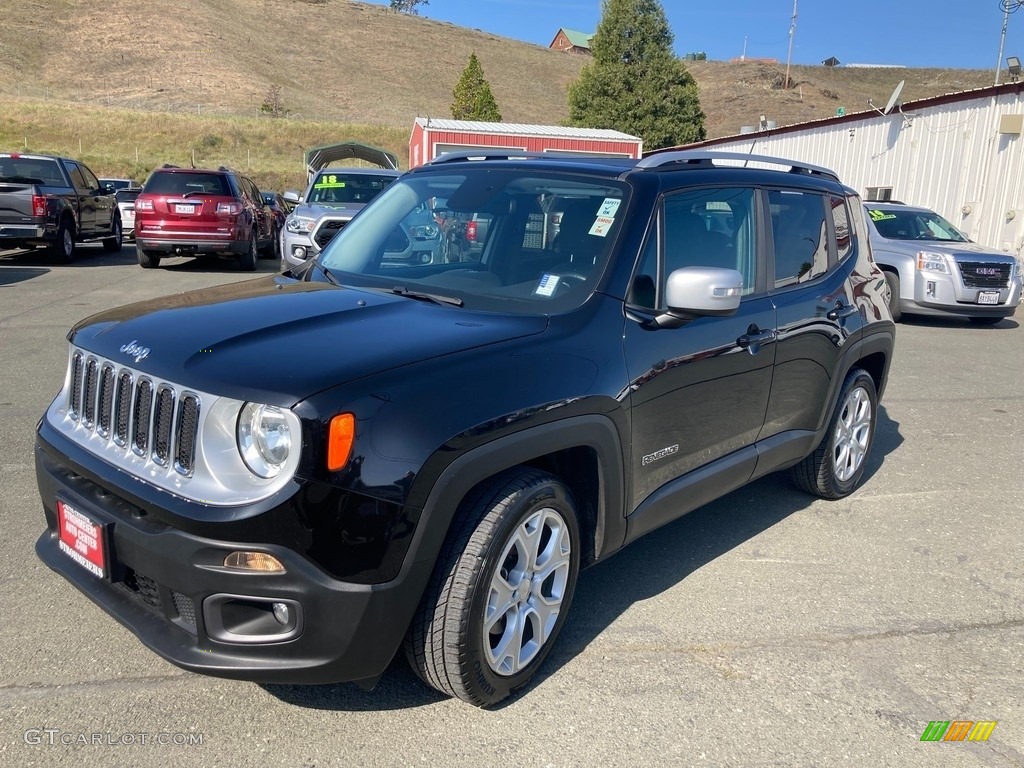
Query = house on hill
x=571 y=41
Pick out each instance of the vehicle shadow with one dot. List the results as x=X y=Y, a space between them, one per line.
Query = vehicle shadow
x=12 y=275
x=642 y=570
x=927 y=321
x=203 y=264
x=85 y=256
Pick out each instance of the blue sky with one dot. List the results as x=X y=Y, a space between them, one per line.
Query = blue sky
x=962 y=34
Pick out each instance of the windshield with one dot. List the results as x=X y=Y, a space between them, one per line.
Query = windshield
x=503 y=240
x=332 y=188
x=914 y=225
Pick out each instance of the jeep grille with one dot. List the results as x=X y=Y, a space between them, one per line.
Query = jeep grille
x=149 y=416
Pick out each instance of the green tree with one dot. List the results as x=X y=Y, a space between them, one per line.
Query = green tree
x=472 y=97
x=408 y=6
x=635 y=82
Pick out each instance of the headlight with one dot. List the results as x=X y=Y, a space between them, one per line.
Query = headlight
x=424 y=232
x=932 y=262
x=264 y=438
x=299 y=225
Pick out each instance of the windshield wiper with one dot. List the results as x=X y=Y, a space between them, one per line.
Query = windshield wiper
x=454 y=301
x=323 y=271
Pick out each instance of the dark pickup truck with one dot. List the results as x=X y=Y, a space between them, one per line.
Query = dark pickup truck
x=56 y=203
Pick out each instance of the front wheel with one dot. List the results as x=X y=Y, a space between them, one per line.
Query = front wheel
x=893 y=281
x=837 y=465
x=112 y=244
x=501 y=589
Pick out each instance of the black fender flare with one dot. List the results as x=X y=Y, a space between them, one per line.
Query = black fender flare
x=593 y=431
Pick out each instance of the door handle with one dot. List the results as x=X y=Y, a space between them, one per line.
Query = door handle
x=840 y=311
x=754 y=338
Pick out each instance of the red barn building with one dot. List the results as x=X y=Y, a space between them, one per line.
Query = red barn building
x=432 y=137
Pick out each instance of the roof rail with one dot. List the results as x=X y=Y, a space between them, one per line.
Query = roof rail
x=704 y=159
x=489 y=154
x=169 y=165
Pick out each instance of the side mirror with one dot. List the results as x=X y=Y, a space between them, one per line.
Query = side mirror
x=704 y=291
x=107 y=189
x=292 y=196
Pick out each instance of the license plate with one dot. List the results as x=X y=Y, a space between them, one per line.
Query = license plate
x=81 y=539
x=988 y=297
x=184 y=208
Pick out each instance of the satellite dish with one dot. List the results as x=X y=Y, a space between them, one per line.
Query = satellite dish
x=892 y=99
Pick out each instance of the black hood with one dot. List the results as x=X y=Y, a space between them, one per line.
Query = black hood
x=278 y=341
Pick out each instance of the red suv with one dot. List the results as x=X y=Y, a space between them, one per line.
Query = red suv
x=190 y=212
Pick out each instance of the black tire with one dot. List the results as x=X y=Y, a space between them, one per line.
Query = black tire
x=247 y=260
x=113 y=244
x=827 y=473
x=64 y=246
x=270 y=250
x=894 y=296
x=985 y=320
x=446 y=643
x=147 y=260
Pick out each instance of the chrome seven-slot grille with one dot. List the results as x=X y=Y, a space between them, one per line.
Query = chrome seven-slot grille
x=980 y=274
x=132 y=412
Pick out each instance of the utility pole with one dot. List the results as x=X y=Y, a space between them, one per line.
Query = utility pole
x=792 y=31
x=1008 y=6
x=744 y=56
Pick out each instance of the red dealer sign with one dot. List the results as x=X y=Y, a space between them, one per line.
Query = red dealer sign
x=81 y=539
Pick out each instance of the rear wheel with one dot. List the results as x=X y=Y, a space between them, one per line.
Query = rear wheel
x=113 y=244
x=64 y=247
x=893 y=281
x=985 y=320
x=501 y=589
x=837 y=465
x=247 y=260
x=147 y=260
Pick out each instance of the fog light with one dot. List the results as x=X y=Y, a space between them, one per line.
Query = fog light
x=299 y=252
x=282 y=614
x=254 y=561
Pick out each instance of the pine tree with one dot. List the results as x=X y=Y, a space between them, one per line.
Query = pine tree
x=408 y=6
x=472 y=97
x=636 y=83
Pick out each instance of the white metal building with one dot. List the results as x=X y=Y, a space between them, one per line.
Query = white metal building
x=961 y=154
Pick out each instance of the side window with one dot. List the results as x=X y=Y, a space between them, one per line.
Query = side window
x=90 y=178
x=77 y=178
x=798 y=230
x=841 y=224
x=713 y=227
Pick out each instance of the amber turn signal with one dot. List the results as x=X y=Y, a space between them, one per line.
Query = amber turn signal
x=339 y=440
x=254 y=561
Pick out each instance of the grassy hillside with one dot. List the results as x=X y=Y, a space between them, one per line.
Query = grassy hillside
x=127 y=85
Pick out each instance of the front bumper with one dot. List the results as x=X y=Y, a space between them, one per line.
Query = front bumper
x=169 y=587
x=942 y=295
x=293 y=244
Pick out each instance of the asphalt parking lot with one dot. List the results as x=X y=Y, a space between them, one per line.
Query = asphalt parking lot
x=766 y=629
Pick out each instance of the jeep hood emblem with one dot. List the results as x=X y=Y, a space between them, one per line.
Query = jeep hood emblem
x=135 y=350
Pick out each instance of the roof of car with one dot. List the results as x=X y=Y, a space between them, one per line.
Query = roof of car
x=359 y=170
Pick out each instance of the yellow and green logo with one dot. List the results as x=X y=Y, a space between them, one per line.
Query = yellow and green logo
x=958 y=730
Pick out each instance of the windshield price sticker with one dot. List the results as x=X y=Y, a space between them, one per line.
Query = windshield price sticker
x=329 y=182
x=547 y=285
x=877 y=215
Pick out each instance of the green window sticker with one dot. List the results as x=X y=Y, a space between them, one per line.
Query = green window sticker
x=329 y=182
x=877 y=215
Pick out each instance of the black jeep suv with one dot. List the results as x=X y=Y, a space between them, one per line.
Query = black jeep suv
x=287 y=479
